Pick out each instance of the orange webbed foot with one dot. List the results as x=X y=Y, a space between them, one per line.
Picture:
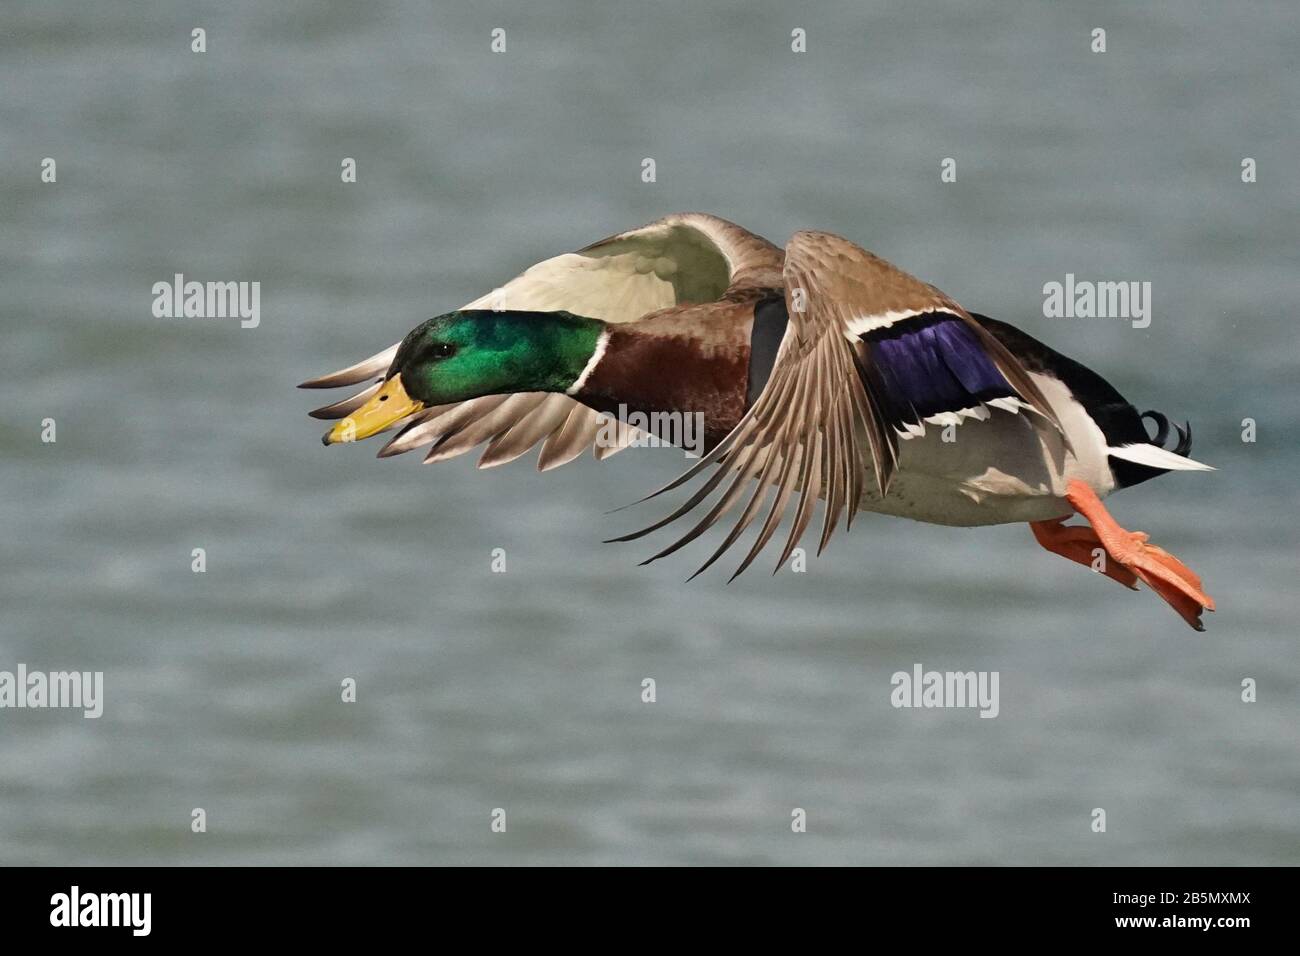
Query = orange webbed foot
x=1167 y=576
x=1127 y=558
x=1176 y=583
x=1080 y=543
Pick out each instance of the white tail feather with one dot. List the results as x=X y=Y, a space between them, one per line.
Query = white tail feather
x=1154 y=456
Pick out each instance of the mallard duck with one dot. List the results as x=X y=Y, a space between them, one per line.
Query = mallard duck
x=821 y=371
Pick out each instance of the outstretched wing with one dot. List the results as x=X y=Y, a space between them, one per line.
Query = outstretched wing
x=870 y=355
x=683 y=258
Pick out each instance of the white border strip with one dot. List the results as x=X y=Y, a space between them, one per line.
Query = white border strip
x=596 y=356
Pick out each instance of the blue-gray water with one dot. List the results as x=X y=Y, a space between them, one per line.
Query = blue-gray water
x=522 y=690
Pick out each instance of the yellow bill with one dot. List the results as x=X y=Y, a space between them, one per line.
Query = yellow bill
x=388 y=405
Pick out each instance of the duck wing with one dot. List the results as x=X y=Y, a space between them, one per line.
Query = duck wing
x=679 y=259
x=868 y=356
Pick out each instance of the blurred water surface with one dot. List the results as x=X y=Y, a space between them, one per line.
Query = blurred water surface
x=522 y=690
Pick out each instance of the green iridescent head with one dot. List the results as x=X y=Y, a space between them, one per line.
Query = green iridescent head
x=475 y=352
x=463 y=355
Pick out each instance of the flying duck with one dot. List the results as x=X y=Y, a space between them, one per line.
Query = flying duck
x=820 y=371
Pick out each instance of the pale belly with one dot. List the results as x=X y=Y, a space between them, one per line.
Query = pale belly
x=997 y=471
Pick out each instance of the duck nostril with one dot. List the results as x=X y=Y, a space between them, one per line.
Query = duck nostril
x=383 y=398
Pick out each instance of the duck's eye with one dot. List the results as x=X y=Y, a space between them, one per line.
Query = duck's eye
x=442 y=349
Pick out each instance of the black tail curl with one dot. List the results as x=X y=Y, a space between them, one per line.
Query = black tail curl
x=1162 y=423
